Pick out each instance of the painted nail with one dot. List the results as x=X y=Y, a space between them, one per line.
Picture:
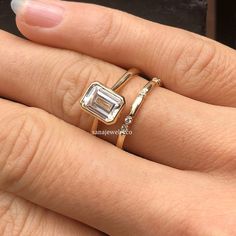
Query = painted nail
x=38 y=13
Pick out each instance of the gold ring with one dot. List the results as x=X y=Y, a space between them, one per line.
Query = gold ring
x=103 y=103
x=134 y=109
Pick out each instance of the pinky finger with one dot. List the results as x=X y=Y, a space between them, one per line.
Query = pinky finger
x=20 y=217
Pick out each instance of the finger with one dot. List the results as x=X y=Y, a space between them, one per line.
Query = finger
x=57 y=79
x=188 y=64
x=60 y=167
x=20 y=217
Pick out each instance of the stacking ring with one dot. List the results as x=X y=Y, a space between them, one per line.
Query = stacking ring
x=134 y=109
x=103 y=103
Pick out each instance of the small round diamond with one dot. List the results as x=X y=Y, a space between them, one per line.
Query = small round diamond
x=124 y=130
x=144 y=92
x=128 y=120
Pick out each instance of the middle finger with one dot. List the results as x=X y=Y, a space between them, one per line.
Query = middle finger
x=54 y=80
x=66 y=170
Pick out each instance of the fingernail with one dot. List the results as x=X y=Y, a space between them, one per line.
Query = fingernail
x=38 y=13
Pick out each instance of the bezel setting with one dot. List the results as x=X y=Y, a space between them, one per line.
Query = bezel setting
x=103 y=103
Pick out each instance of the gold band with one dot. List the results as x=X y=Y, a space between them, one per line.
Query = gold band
x=134 y=109
x=117 y=86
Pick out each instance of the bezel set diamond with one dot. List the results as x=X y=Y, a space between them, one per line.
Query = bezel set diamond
x=103 y=103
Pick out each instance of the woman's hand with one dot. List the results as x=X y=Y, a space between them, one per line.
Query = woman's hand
x=185 y=182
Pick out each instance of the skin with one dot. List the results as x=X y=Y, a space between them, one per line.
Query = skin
x=177 y=175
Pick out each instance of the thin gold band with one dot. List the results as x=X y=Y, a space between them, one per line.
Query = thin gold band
x=134 y=109
x=117 y=86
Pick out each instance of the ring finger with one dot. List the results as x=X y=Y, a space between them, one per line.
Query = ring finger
x=58 y=78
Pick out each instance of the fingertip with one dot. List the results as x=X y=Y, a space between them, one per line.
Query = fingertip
x=39 y=13
x=17 y=5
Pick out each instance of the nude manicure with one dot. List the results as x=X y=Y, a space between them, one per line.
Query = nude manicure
x=38 y=13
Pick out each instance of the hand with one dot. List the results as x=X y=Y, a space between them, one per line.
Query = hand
x=185 y=182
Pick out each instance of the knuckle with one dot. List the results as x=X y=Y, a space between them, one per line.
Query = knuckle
x=198 y=59
x=73 y=81
x=19 y=144
x=108 y=28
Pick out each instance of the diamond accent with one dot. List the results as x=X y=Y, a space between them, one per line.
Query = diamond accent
x=128 y=120
x=102 y=102
x=124 y=130
x=144 y=92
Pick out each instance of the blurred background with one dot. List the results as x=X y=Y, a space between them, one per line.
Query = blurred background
x=221 y=21
x=214 y=18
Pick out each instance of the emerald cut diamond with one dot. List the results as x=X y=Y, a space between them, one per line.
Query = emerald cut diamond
x=102 y=102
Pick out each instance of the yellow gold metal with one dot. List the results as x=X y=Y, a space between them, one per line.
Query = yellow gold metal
x=128 y=75
x=134 y=109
